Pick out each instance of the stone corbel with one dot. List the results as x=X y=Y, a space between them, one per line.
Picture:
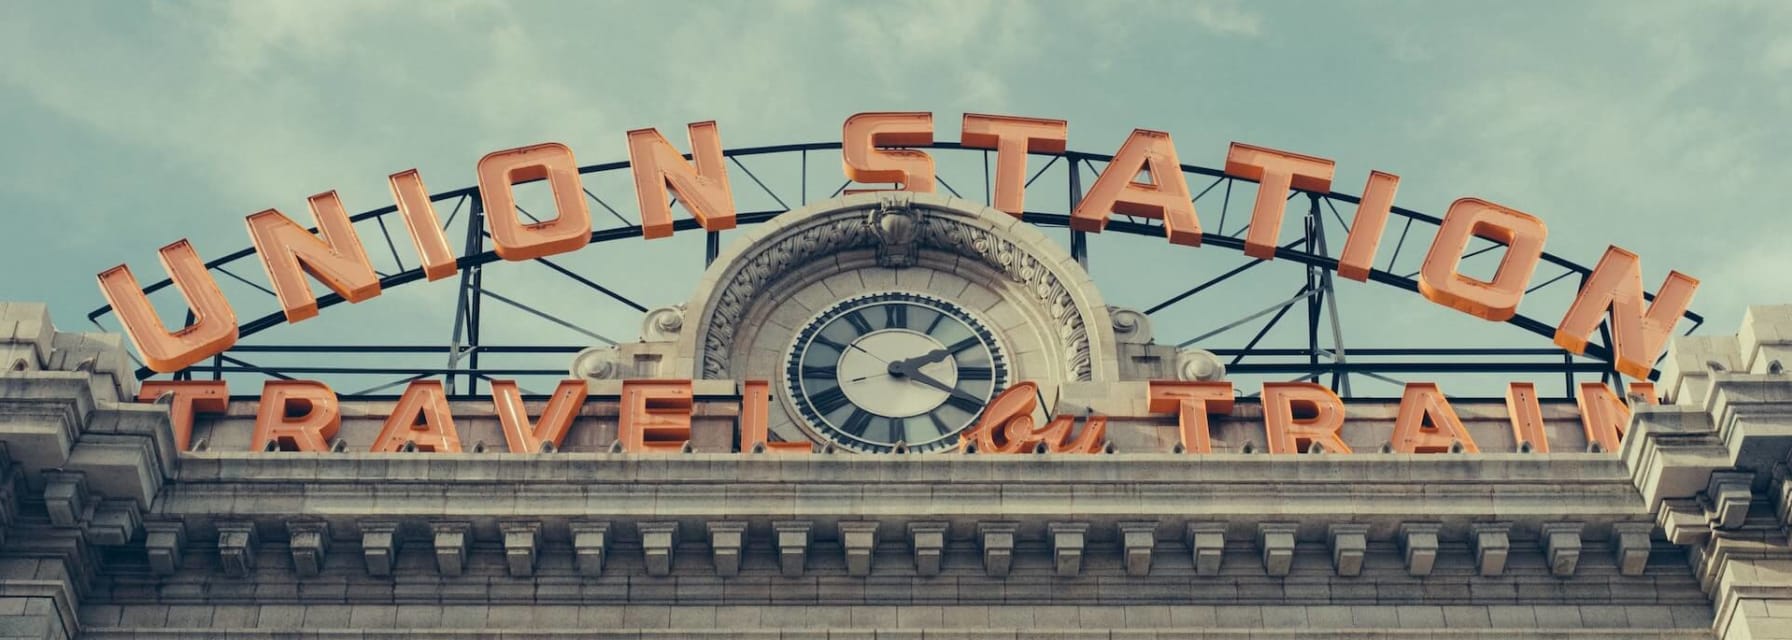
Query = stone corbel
x=1631 y=546
x=658 y=539
x=522 y=538
x=928 y=542
x=114 y=523
x=379 y=546
x=1492 y=543
x=309 y=542
x=1561 y=545
x=1137 y=539
x=1418 y=544
x=859 y=541
x=1729 y=495
x=1276 y=541
x=1068 y=539
x=1207 y=545
x=165 y=541
x=451 y=540
x=237 y=545
x=726 y=540
x=590 y=540
x=1349 y=542
x=998 y=546
x=65 y=497
x=792 y=537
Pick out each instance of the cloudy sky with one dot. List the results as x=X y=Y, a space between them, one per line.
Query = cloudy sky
x=1661 y=127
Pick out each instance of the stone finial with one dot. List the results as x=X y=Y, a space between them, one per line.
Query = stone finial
x=1492 y=544
x=1418 y=543
x=1207 y=543
x=1561 y=544
x=1068 y=539
x=166 y=542
x=928 y=541
x=1130 y=326
x=379 y=546
x=658 y=540
x=114 y=522
x=997 y=539
x=521 y=540
x=597 y=363
x=590 y=540
x=1631 y=545
x=65 y=497
x=663 y=324
x=237 y=545
x=1349 y=542
x=859 y=540
x=792 y=537
x=310 y=541
x=726 y=539
x=451 y=540
x=1137 y=539
x=1730 y=497
x=1199 y=365
x=1276 y=540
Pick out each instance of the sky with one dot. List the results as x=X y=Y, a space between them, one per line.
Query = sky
x=1660 y=127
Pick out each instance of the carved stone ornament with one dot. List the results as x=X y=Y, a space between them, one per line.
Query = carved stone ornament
x=1199 y=365
x=1130 y=326
x=663 y=324
x=597 y=363
x=770 y=258
x=896 y=224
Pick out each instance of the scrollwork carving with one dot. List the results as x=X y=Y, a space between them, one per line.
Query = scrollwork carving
x=663 y=324
x=597 y=363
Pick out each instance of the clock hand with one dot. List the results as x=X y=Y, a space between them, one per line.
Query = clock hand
x=930 y=357
x=930 y=381
x=855 y=345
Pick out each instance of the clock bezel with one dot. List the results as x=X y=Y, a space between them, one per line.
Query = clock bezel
x=819 y=428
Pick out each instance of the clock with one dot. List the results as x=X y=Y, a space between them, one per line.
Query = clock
x=880 y=369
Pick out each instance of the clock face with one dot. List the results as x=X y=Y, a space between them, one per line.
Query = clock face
x=885 y=368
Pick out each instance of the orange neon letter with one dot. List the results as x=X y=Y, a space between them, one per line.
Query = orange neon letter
x=421 y=418
x=1497 y=300
x=1164 y=198
x=1427 y=423
x=1365 y=229
x=865 y=162
x=420 y=217
x=656 y=415
x=296 y=415
x=1012 y=138
x=755 y=418
x=1638 y=335
x=1007 y=427
x=1275 y=172
x=500 y=171
x=288 y=252
x=1604 y=415
x=1192 y=401
x=1527 y=416
x=556 y=418
x=703 y=190
x=191 y=398
x=214 y=322
x=1321 y=415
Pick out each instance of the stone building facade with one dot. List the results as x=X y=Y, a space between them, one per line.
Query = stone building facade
x=113 y=530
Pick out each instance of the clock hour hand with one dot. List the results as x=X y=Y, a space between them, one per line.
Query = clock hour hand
x=915 y=372
x=911 y=364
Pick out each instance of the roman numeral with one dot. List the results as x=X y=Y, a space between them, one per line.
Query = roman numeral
x=970 y=373
x=827 y=401
x=858 y=322
x=821 y=339
x=939 y=423
x=969 y=405
x=938 y=317
x=828 y=373
x=896 y=315
x=898 y=429
x=857 y=422
x=966 y=343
